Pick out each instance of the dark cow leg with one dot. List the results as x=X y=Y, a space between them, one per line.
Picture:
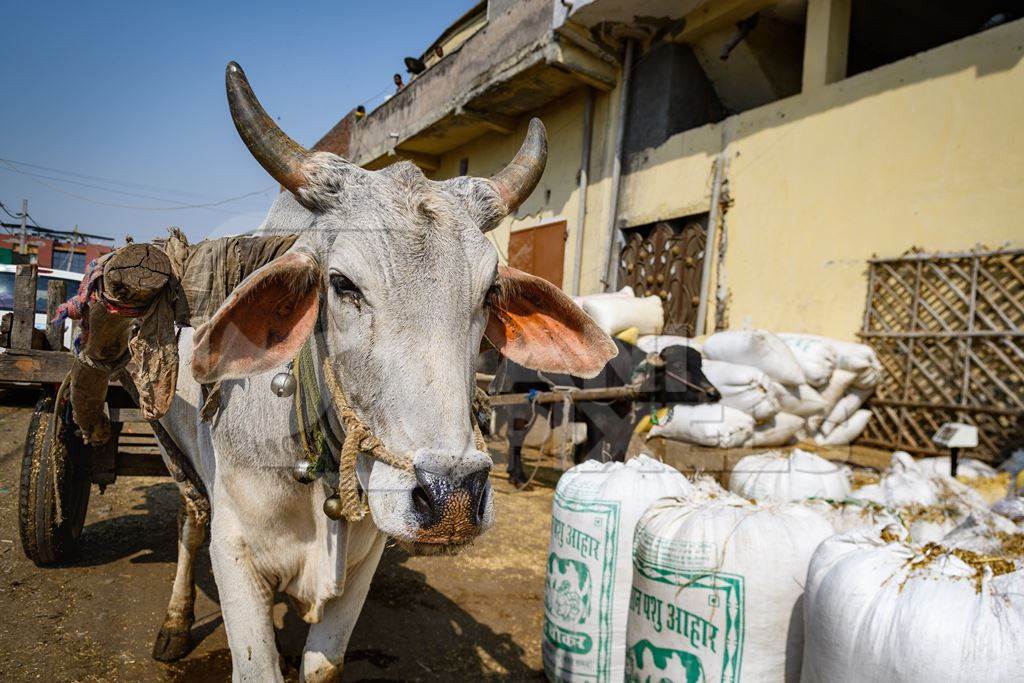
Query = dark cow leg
x=516 y=475
x=518 y=427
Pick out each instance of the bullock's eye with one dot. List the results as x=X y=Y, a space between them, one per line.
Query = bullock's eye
x=493 y=293
x=344 y=287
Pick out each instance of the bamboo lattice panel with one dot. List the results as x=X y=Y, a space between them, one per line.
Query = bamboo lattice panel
x=947 y=329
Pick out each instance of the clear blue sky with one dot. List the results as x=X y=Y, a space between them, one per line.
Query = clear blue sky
x=134 y=92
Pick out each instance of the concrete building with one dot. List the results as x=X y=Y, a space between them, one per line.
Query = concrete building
x=803 y=136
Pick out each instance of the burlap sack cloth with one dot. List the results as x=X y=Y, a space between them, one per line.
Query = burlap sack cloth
x=130 y=302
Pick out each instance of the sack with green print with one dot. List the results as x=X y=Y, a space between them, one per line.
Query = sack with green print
x=717 y=586
x=586 y=589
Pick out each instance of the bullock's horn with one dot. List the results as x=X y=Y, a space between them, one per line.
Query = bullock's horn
x=278 y=154
x=516 y=181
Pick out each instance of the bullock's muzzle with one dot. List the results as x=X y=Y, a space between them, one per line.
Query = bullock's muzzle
x=450 y=510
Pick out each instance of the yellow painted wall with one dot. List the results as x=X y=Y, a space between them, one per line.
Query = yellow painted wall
x=564 y=122
x=924 y=152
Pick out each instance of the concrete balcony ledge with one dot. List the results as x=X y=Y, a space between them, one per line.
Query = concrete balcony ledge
x=514 y=65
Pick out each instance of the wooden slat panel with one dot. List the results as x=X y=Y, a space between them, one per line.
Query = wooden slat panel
x=948 y=332
x=24 y=306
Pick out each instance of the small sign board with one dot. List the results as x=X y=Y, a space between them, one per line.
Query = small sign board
x=956 y=435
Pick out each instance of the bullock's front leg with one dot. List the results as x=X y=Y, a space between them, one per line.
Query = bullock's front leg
x=175 y=638
x=324 y=653
x=246 y=599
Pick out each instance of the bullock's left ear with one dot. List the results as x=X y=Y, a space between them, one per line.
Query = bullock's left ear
x=262 y=324
x=535 y=324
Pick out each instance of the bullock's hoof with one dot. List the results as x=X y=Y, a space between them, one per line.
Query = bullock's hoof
x=172 y=644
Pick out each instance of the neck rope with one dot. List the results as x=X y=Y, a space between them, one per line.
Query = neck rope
x=320 y=443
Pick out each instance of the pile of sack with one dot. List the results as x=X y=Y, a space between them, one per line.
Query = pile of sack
x=623 y=314
x=795 y=573
x=776 y=390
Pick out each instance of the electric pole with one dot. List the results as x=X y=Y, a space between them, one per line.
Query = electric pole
x=22 y=243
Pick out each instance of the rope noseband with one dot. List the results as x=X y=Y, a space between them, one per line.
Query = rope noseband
x=320 y=444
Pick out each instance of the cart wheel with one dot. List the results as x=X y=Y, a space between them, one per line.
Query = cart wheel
x=45 y=541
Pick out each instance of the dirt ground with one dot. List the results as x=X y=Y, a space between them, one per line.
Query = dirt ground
x=471 y=617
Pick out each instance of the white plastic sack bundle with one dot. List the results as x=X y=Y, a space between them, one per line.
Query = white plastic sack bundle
x=779 y=430
x=625 y=292
x=885 y=610
x=844 y=409
x=709 y=424
x=859 y=359
x=615 y=314
x=1011 y=507
x=802 y=399
x=655 y=343
x=758 y=348
x=742 y=387
x=783 y=477
x=849 y=514
x=586 y=589
x=902 y=484
x=968 y=468
x=817 y=358
x=845 y=432
x=836 y=388
x=716 y=590
x=983 y=532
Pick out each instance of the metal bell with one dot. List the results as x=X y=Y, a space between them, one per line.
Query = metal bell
x=302 y=472
x=333 y=507
x=283 y=384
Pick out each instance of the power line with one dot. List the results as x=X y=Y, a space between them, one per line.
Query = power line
x=209 y=206
x=112 y=181
x=16 y=216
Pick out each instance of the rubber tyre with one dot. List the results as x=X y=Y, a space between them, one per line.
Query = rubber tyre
x=44 y=541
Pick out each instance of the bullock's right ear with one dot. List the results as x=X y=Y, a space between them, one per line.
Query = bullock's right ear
x=262 y=324
x=535 y=324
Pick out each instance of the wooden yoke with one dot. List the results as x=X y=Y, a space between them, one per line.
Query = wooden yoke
x=133 y=277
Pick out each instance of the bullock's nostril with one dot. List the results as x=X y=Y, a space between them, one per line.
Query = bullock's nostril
x=421 y=502
x=435 y=493
x=430 y=496
x=476 y=485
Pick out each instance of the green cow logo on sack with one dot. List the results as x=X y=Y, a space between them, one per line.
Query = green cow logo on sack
x=578 y=589
x=646 y=663
x=567 y=594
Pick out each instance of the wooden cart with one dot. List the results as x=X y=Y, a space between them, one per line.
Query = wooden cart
x=38 y=360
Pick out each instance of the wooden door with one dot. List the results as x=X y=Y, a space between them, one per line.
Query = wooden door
x=539 y=251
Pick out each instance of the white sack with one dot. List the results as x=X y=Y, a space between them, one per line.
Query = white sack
x=846 y=432
x=883 y=611
x=802 y=400
x=817 y=358
x=758 y=348
x=716 y=591
x=852 y=514
x=742 y=387
x=968 y=468
x=1011 y=507
x=586 y=591
x=708 y=424
x=902 y=484
x=615 y=314
x=782 y=477
x=626 y=292
x=655 y=343
x=844 y=409
x=836 y=388
x=779 y=430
